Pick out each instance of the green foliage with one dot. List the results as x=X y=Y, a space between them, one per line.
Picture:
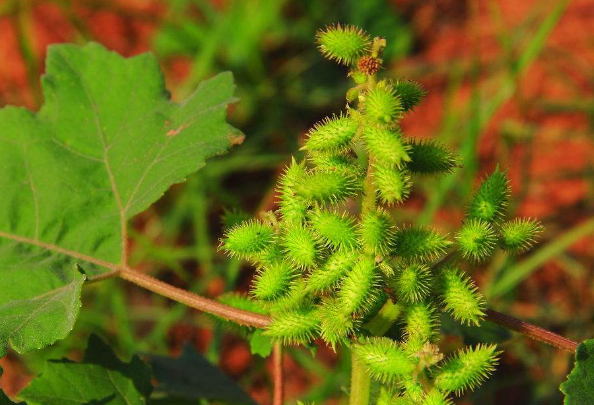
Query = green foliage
x=383 y=358
x=344 y=44
x=106 y=144
x=519 y=235
x=467 y=369
x=476 y=239
x=191 y=377
x=430 y=157
x=100 y=378
x=491 y=199
x=460 y=297
x=579 y=386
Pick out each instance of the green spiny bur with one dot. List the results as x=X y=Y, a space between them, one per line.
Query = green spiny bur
x=383 y=358
x=491 y=199
x=467 y=369
x=243 y=302
x=328 y=275
x=430 y=157
x=420 y=322
x=519 y=235
x=299 y=244
x=460 y=297
x=376 y=232
x=435 y=397
x=413 y=390
x=333 y=162
x=344 y=44
x=328 y=186
x=273 y=281
x=419 y=243
x=331 y=135
x=335 y=325
x=476 y=239
x=358 y=289
x=294 y=327
x=386 y=146
x=381 y=105
x=412 y=282
x=394 y=185
x=297 y=297
x=410 y=92
x=334 y=230
x=293 y=208
x=247 y=239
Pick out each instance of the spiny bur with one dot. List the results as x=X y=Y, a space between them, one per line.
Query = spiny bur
x=331 y=263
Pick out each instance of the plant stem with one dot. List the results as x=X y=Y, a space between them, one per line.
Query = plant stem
x=278 y=373
x=261 y=321
x=360 y=383
x=193 y=300
x=531 y=331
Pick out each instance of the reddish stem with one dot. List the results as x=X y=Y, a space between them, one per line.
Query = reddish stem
x=278 y=375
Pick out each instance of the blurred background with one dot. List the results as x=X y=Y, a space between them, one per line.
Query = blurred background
x=509 y=82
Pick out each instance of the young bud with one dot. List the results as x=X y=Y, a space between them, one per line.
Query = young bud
x=394 y=185
x=384 y=360
x=331 y=135
x=300 y=246
x=381 y=105
x=386 y=146
x=410 y=92
x=412 y=282
x=358 y=290
x=334 y=230
x=430 y=157
x=247 y=239
x=273 y=281
x=368 y=65
x=327 y=276
x=519 y=235
x=491 y=199
x=467 y=369
x=376 y=232
x=419 y=243
x=344 y=44
x=460 y=297
x=293 y=327
x=476 y=240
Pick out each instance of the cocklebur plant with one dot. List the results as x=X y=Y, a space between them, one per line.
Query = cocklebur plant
x=325 y=268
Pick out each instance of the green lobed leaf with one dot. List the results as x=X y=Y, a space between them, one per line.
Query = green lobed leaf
x=106 y=144
x=579 y=386
x=100 y=378
x=191 y=376
x=260 y=344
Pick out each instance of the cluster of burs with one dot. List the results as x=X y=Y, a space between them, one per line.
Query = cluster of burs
x=331 y=264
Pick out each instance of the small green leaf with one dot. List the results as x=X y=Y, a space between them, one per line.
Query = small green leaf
x=579 y=386
x=260 y=344
x=100 y=378
x=191 y=376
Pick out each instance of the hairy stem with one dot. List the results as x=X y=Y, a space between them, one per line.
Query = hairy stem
x=360 y=383
x=261 y=321
x=278 y=374
x=193 y=300
x=531 y=331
